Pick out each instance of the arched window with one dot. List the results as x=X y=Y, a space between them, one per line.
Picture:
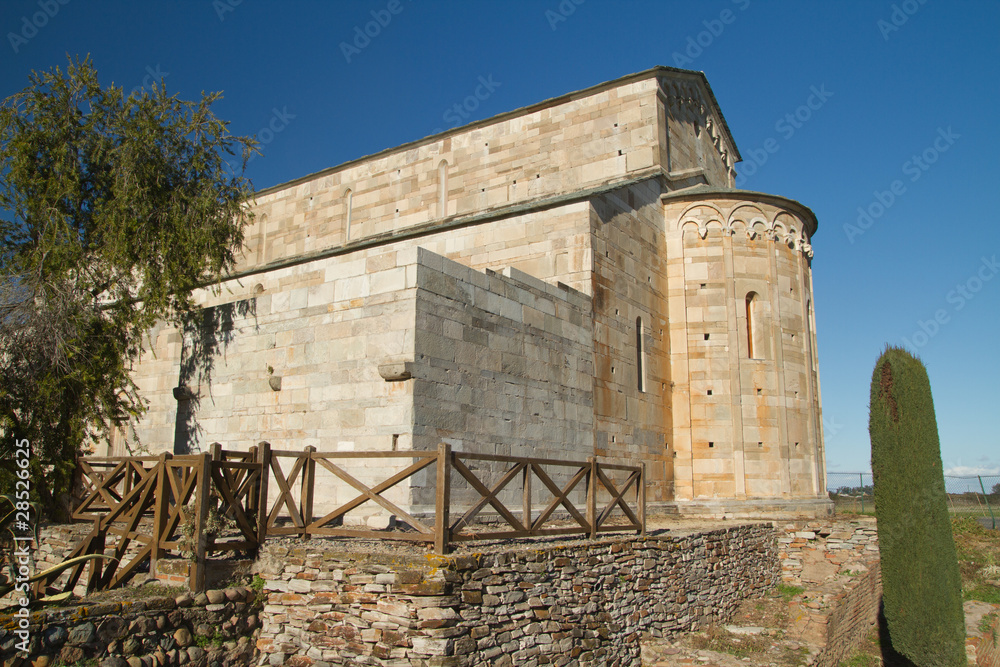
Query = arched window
x=348 y=205
x=442 y=207
x=752 y=315
x=640 y=353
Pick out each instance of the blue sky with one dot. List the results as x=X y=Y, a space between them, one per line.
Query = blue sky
x=881 y=116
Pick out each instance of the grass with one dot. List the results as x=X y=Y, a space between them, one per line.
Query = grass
x=869 y=654
x=718 y=640
x=986 y=625
x=978 y=555
x=204 y=642
x=788 y=592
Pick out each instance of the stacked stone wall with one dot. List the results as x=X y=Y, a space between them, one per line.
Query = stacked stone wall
x=837 y=565
x=581 y=603
x=214 y=628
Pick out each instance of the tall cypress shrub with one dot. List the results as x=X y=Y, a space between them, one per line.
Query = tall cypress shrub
x=922 y=588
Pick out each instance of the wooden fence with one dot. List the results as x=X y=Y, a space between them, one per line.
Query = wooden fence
x=150 y=506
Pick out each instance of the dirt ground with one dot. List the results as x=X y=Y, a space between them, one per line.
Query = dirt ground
x=758 y=633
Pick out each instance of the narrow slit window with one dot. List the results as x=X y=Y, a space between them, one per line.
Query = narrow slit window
x=348 y=204
x=442 y=189
x=640 y=353
x=751 y=314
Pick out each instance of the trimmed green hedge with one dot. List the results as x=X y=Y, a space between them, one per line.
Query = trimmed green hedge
x=922 y=588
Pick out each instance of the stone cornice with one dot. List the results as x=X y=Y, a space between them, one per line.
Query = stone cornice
x=705 y=193
x=655 y=72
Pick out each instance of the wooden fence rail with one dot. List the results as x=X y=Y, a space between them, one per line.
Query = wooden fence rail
x=174 y=504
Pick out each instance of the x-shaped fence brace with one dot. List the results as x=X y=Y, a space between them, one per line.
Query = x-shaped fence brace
x=119 y=492
x=105 y=481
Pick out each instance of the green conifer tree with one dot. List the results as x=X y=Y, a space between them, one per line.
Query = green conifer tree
x=922 y=588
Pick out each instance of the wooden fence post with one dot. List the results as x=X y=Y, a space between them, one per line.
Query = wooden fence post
x=203 y=468
x=526 y=497
x=216 y=450
x=308 y=490
x=161 y=510
x=442 y=504
x=592 y=496
x=264 y=456
x=253 y=493
x=640 y=498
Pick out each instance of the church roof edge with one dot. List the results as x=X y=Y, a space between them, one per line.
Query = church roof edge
x=659 y=70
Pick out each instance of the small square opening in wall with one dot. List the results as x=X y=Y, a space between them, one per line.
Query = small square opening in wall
x=703 y=286
x=759 y=391
x=711 y=444
x=707 y=336
x=760 y=444
x=796 y=445
x=614 y=438
x=709 y=392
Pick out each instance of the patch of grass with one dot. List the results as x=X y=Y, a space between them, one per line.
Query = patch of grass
x=257 y=586
x=869 y=653
x=788 y=592
x=742 y=646
x=978 y=553
x=986 y=625
x=204 y=642
x=982 y=592
x=861 y=660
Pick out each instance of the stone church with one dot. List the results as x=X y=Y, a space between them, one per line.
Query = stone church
x=575 y=278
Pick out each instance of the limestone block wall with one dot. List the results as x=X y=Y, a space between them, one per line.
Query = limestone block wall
x=701 y=332
x=503 y=365
x=638 y=124
x=302 y=320
x=632 y=420
x=694 y=143
x=320 y=330
x=743 y=347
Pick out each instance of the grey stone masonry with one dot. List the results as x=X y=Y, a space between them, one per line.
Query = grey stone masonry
x=560 y=603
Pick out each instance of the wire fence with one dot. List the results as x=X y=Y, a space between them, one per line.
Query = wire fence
x=977 y=496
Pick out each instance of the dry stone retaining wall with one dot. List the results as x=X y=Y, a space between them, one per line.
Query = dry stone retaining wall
x=580 y=603
x=213 y=628
x=837 y=563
